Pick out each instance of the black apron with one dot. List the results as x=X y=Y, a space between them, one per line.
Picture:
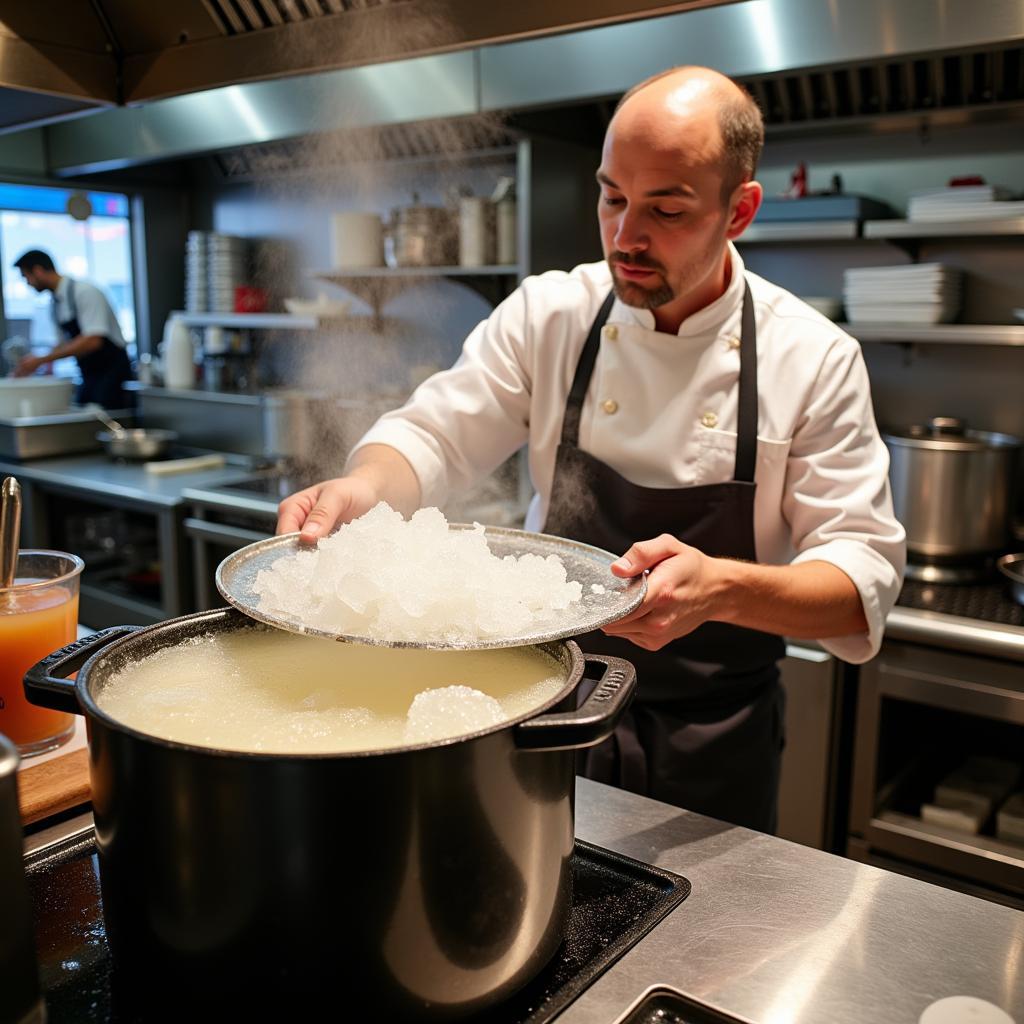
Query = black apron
x=104 y=371
x=705 y=731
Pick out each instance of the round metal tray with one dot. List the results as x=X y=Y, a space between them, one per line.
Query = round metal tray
x=236 y=579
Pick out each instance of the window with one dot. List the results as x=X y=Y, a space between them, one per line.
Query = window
x=97 y=249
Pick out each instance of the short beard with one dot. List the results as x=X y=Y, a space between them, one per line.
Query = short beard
x=632 y=294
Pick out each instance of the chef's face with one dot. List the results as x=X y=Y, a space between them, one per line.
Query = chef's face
x=664 y=213
x=33 y=276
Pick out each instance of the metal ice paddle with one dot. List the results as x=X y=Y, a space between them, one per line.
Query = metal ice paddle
x=589 y=566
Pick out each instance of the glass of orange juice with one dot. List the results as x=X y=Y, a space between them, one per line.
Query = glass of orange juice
x=38 y=615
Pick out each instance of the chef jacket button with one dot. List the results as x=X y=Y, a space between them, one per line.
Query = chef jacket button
x=734 y=343
x=709 y=419
x=611 y=332
x=610 y=406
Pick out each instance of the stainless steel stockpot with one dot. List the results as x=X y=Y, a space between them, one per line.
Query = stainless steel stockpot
x=419 y=883
x=952 y=487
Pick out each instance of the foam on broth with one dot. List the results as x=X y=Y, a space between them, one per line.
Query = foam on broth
x=263 y=690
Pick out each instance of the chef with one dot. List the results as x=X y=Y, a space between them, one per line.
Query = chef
x=700 y=422
x=88 y=329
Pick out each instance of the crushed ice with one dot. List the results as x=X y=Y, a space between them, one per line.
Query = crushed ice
x=450 y=711
x=386 y=578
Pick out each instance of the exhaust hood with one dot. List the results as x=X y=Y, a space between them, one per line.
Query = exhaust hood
x=123 y=51
x=806 y=61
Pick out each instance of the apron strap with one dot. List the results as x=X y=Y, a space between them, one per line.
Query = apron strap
x=746 y=416
x=746 y=425
x=584 y=370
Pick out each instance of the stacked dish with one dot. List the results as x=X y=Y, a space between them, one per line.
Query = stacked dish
x=215 y=265
x=971 y=202
x=226 y=269
x=197 y=296
x=921 y=293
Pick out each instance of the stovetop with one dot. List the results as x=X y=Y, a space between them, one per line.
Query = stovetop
x=989 y=602
x=274 y=486
x=616 y=901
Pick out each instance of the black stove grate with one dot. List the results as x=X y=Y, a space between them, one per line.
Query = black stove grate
x=987 y=601
x=616 y=901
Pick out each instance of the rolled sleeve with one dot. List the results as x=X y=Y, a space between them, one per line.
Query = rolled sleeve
x=837 y=499
x=462 y=423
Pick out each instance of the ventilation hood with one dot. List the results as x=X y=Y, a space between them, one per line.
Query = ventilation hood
x=805 y=60
x=105 y=52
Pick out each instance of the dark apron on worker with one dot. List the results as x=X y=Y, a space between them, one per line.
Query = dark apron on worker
x=104 y=371
x=705 y=731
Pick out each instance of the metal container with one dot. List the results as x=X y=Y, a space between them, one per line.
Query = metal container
x=422 y=883
x=423 y=236
x=294 y=424
x=952 y=488
x=20 y=998
x=136 y=444
x=34 y=437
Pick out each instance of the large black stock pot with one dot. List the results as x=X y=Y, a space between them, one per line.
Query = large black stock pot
x=426 y=882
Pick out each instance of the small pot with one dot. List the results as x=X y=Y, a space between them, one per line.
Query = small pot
x=135 y=443
x=952 y=488
x=422 y=883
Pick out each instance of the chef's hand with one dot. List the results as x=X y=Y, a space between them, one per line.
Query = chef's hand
x=318 y=509
x=27 y=365
x=678 y=598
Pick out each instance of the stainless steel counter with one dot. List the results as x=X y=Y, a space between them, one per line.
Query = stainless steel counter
x=129 y=481
x=775 y=932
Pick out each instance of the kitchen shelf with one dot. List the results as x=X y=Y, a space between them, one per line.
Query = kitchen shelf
x=377 y=286
x=943 y=334
x=853 y=230
x=801 y=231
x=1003 y=226
x=249 y=321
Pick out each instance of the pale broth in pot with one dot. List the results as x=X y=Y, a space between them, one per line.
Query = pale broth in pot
x=267 y=691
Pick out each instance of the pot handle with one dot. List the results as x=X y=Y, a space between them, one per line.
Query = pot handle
x=46 y=682
x=593 y=721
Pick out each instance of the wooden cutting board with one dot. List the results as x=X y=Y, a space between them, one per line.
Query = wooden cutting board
x=54 y=786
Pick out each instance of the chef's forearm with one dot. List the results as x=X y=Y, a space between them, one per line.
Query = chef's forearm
x=81 y=345
x=386 y=470
x=809 y=601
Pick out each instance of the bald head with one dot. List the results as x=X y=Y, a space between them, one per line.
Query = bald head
x=698 y=109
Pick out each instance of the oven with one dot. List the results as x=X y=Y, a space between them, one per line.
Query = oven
x=938 y=768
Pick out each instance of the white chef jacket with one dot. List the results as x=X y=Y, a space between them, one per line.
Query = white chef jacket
x=661 y=410
x=94 y=313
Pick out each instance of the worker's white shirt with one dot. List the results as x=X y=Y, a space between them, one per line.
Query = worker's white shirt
x=661 y=410
x=90 y=304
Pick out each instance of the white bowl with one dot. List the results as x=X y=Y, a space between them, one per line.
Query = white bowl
x=34 y=396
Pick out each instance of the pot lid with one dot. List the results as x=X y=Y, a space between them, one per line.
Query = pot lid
x=605 y=597
x=948 y=433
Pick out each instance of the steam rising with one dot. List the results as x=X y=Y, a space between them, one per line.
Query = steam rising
x=371 y=362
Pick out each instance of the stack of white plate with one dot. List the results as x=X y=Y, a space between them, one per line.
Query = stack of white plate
x=227 y=266
x=921 y=293
x=970 y=202
x=197 y=296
